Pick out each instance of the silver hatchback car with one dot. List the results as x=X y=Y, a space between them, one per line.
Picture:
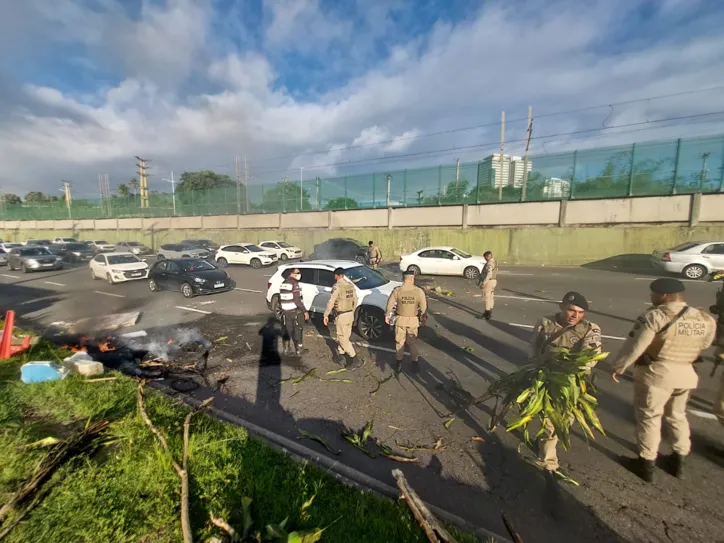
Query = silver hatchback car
x=181 y=250
x=693 y=259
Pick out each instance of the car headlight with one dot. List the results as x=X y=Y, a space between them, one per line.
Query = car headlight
x=76 y=253
x=58 y=259
x=32 y=262
x=199 y=280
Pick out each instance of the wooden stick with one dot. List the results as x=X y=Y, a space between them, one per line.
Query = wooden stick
x=511 y=530
x=430 y=525
x=222 y=524
x=101 y=379
x=19 y=517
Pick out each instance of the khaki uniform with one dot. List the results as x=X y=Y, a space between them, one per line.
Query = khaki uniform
x=549 y=335
x=488 y=282
x=719 y=354
x=664 y=349
x=407 y=301
x=374 y=255
x=344 y=301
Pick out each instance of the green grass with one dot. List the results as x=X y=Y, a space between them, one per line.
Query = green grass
x=129 y=491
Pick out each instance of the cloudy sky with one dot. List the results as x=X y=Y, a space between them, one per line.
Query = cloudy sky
x=340 y=86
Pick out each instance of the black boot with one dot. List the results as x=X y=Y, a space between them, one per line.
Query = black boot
x=641 y=467
x=354 y=363
x=415 y=367
x=488 y=315
x=301 y=350
x=675 y=465
x=339 y=359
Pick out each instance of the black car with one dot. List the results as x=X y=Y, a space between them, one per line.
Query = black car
x=77 y=252
x=201 y=244
x=192 y=276
x=340 y=249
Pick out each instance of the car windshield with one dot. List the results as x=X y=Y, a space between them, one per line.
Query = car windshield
x=254 y=248
x=461 y=254
x=685 y=246
x=354 y=242
x=134 y=244
x=68 y=240
x=13 y=245
x=101 y=242
x=122 y=259
x=196 y=266
x=35 y=251
x=364 y=277
x=283 y=244
x=76 y=246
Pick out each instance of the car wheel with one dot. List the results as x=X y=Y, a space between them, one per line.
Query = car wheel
x=695 y=271
x=187 y=290
x=371 y=324
x=360 y=259
x=185 y=256
x=414 y=269
x=153 y=286
x=255 y=263
x=160 y=257
x=471 y=272
x=10 y=266
x=276 y=307
x=24 y=268
x=93 y=275
x=222 y=262
x=110 y=280
x=283 y=257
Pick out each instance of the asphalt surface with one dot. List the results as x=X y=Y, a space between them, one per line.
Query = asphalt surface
x=476 y=479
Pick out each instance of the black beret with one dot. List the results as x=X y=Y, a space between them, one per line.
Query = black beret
x=666 y=285
x=407 y=273
x=339 y=271
x=575 y=298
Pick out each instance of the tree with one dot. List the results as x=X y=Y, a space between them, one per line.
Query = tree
x=133 y=183
x=285 y=196
x=35 y=196
x=12 y=199
x=204 y=180
x=123 y=190
x=342 y=203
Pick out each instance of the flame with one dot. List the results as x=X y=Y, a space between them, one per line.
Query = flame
x=74 y=348
x=170 y=341
x=105 y=347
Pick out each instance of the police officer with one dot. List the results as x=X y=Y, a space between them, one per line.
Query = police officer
x=294 y=314
x=343 y=301
x=663 y=344
x=566 y=329
x=718 y=309
x=487 y=281
x=410 y=306
x=374 y=256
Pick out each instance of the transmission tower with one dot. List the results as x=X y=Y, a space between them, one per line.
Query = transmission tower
x=143 y=180
x=105 y=189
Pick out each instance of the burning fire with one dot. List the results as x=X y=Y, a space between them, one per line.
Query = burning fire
x=74 y=348
x=170 y=341
x=105 y=347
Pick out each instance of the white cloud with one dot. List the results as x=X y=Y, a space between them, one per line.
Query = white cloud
x=303 y=25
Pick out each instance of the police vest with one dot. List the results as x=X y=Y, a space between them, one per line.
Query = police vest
x=286 y=296
x=490 y=270
x=682 y=342
x=408 y=301
x=571 y=339
x=345 y=297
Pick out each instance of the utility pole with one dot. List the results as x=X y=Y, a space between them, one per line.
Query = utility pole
x=173 y=192
x=238 y=187
x=502 y=150
x=143 y=180
x=704 y=158
x=301 y=188
x=529 y=131
x=68 y=197
x=246 y=184
x=457 y=177
x=389 y=184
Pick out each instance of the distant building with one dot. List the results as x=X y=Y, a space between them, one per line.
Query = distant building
x=556 y=188
x=517 y=169
x=507 y=172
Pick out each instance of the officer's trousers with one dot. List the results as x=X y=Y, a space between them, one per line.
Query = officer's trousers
x=719 y=403
x=651 y=404
x=343 y=324
x=293 y=322
x=406 y=329
x=489 y=293
x=548 y=444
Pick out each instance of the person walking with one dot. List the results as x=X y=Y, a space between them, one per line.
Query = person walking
x=409 y=304
x=343 y=302
x=567 y=329
x=718 y=310
x=487 y=281
x=374 y=256
x=294 y=314
x=663 y=346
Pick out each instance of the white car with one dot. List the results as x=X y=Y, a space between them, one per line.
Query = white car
x=317 y=281
x=65 y=240
x=244 y=253
x=45 y=242
x=693 y=259
x=8 y=245
x=102 y=246
x=118 y=267
x=282 y=249
x=442 y=261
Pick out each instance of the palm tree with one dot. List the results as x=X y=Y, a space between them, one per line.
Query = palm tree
x=123 y=190
x=134 y=185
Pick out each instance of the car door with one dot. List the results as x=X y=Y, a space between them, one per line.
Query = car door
x=174 y=276
x=98 y=265
x=160 y=269
x=451 y=263
x=431 y=262
x=324 y=281
x=310 y=290
x=714 y=255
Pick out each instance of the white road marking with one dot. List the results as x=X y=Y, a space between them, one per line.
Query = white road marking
x=52 y=283
x=109 y=294
x=193 y=309
x=702 y=414
x=268 y=276
x=10 y=276
x=38 y=299
x=529 y=326
x=513 y=273
x=249 y=290
x=207 y=303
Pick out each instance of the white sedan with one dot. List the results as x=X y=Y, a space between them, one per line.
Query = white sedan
x=244 y=253
x=118 y=267
x=443 y=261
x=282 y=249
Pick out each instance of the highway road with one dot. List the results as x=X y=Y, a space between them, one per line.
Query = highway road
x=476 y=479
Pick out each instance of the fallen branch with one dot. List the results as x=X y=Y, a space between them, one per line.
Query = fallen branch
x=439 y=446
x=511 y=530
x=225 y=526
x=429 y=524
x=380 y=383
x=101 y=380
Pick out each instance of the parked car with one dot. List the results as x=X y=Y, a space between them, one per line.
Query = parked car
x=202 y=244
x=77 y=252
x=340 y=249
x=138 y=249
x=65 y=240
x=43 y=242
x=102 y=246
x=118 y=267
x=317 y=281
x=442 y=261
x=33 y=259
x=244 y=253
x=192 y=276
x=693 y=259
x=3 y=257
x=8 y=245
x=282 y=249
x=181 y=250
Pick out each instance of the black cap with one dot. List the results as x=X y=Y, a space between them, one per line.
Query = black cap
x=407 y=273
x=575 y=298
x=339 y=271
x=667 y=285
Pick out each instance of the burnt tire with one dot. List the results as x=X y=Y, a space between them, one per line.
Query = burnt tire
x=255 y=263
x=471 y=272
x=371 y=324
x=187 y=290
